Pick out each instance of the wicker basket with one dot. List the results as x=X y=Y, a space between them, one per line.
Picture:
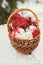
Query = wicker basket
x=24 y=46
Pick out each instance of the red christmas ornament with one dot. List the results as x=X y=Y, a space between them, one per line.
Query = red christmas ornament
x=35 y=32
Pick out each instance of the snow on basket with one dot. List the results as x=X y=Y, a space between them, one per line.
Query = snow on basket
x=24 y=33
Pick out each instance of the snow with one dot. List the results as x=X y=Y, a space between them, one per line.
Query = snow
x=21 y=30
x=28 y=34
x=23 y=34
x=32 y=28
x=9 y=56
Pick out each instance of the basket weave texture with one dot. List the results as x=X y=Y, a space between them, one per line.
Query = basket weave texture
x=24 y=46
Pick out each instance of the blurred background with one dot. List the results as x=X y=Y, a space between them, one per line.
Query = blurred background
x=8 y=55
x=8 y=6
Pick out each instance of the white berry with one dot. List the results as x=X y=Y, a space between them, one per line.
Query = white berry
x=29 y=34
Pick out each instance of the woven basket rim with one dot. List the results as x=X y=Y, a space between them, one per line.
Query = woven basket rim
x=26 y=39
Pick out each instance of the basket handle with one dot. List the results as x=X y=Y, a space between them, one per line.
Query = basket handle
x=8 y=21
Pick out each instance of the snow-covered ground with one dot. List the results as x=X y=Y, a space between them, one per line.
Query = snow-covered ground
x=9 y=56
